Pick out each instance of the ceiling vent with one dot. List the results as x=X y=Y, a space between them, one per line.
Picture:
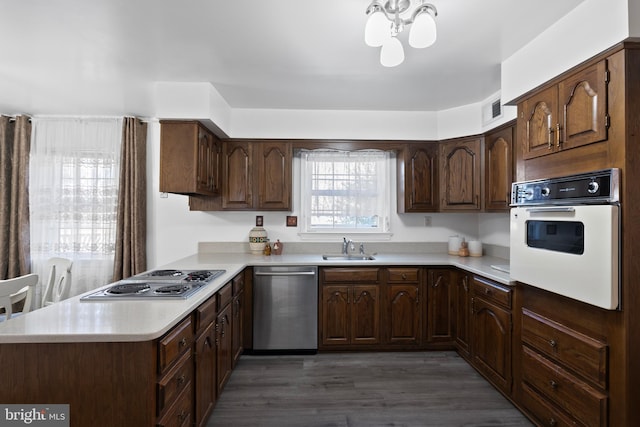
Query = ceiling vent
x=491 y=111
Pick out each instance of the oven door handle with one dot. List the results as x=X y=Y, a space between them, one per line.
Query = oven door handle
x=551 y=209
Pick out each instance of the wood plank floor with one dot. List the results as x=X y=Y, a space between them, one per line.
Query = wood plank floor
x=361 y=389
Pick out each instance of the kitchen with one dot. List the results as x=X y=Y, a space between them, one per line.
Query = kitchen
x=175 y=232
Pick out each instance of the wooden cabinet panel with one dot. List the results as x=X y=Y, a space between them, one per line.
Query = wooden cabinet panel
x=440 y=306
x=238 y=326
x=224 y=344
x=460 y=184
x=498 y=170
x=559 y=387
x=542 y=412
x=174 y=344
x=189 y=158
x=237 y=190
x=462 y=313
x=418 y=178
x=539 y=117
x=273 y=175
x=336 y=315
x=350 y=275
x=174 y=382
x=205 y=378
x=404 y=312
x=180 y=414
x=365 y=314
x=492 y=292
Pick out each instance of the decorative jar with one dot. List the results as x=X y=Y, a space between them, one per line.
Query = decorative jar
x=257 y=240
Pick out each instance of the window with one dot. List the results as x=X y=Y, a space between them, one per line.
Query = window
x=345 y=191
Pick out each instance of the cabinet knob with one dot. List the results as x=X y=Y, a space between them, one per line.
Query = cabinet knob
x=553 y=422
x=182 y=416
x=181 y=379
x=182 y=343
x=553 y=384
x=404 y=276
x=487 y=291
x=553 y=343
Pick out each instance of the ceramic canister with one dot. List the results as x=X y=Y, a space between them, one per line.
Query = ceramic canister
x=454 y=245
x=475 y=248
x=257 y=240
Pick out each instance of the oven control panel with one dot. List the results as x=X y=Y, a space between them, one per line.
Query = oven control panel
x=589 y=188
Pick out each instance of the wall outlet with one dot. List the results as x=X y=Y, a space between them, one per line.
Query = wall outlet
x=427 y=221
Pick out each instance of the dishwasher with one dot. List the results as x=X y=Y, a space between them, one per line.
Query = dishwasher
x=285 y=309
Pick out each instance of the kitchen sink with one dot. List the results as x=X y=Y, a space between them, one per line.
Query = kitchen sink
x=350 y=257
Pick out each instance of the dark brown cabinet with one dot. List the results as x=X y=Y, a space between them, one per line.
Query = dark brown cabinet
x=499 y=166
x=224 y=336
x=257 y=176
x=189 y=158
x=418 y=178
x=238 y=317
x=350 y=306
x=460 y=171
x=403 y=306
x=462 y=313
x=205 y=354
x=440 y=306
x=492 y=332
x=566 y=115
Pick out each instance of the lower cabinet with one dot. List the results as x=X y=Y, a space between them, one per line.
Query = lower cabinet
x=224 y=336
x=205 y=356
x=403 y=307
x=238 y=317
x=440 y=292
x=491 y=326
x=462 y=312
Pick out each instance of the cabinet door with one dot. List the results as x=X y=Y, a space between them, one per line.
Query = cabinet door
x=418 y=178
x=462 y=312
x=498 y=169
x=460 y=183
x=224 y=341
x=440 y=306
x=202 y=164
x=539 y=117
x=335 y=315
x=205 y=377
x=273 y=174
x=238 y=326
x=214 y=166
x=237 y=187
x=365 y=314
x=583 y=103
x=404 y=314
x=491 y=342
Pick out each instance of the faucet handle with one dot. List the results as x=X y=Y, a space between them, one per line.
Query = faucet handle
x=361 y=248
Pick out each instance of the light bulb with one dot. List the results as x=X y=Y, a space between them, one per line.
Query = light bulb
x=391 y=53
x=376 y=31
x=423 y=31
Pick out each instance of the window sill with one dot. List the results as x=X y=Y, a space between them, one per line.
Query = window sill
x=324 y=236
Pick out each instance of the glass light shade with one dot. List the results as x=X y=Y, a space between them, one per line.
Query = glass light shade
x=392 y=53
x=376 y=30
x=423 y=31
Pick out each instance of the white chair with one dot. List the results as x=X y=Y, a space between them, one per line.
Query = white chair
x=15 y=290
x=59 y=281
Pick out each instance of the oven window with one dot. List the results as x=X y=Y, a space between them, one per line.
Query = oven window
x=559 y=236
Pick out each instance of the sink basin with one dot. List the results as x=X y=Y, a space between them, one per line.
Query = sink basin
x=350 y=257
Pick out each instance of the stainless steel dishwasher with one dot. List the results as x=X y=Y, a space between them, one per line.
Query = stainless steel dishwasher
x=285 y=309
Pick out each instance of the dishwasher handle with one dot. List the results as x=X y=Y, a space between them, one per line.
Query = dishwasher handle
x=285 y=273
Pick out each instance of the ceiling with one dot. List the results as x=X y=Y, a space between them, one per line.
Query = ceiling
x=101 y=56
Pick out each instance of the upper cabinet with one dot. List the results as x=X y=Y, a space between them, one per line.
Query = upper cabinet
x=257 y=176
x=569 y=114
x=189 y=158
x=418 y=178
x=460 y=184
x=499 y=165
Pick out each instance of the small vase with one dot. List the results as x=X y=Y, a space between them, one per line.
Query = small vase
x=257 y=240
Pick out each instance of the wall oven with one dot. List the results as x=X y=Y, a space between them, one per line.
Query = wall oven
x=565 y=236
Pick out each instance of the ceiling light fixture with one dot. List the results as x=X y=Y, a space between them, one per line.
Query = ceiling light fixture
x=385 y=23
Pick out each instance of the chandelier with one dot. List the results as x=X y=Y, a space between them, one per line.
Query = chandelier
x=385 y=23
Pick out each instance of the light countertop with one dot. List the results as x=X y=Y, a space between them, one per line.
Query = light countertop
x=73 y=320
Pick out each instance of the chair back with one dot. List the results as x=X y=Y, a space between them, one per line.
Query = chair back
x=16 y=289
x=58 y=283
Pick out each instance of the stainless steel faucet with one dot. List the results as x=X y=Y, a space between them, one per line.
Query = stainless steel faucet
x=346 y=245
x=361 y=248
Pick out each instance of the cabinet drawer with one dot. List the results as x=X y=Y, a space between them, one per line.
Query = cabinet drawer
x=580 y=353
x=225 y=295
x=350 y=275
x=492 y=292
x=180 y=414
x=574 y=396
x=238 y=284
x=172 y=384
x=177 y=341
x=542 y=411
x=206 y=313
x=403 y=275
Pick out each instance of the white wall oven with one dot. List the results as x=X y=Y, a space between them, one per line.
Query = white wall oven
x=565 y=236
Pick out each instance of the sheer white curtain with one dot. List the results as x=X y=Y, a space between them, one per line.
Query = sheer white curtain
x=73 y=191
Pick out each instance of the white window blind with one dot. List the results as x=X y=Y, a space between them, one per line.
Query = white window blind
x=345 y=191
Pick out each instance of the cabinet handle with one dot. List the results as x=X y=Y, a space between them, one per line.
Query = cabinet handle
x=435 y=285
x=183 y=416
x=404 y=276
x=465 y=283
x=553 y=343
x=417 y=296
x=549 y=137
x=558 y=142
x=487 y=291
x=553 y=422
x=182 y=343
x=553 y=384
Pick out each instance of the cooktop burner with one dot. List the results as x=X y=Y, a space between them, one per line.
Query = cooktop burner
x=158 y=284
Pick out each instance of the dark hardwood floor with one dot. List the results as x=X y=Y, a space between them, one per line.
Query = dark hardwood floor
x=361 y=389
